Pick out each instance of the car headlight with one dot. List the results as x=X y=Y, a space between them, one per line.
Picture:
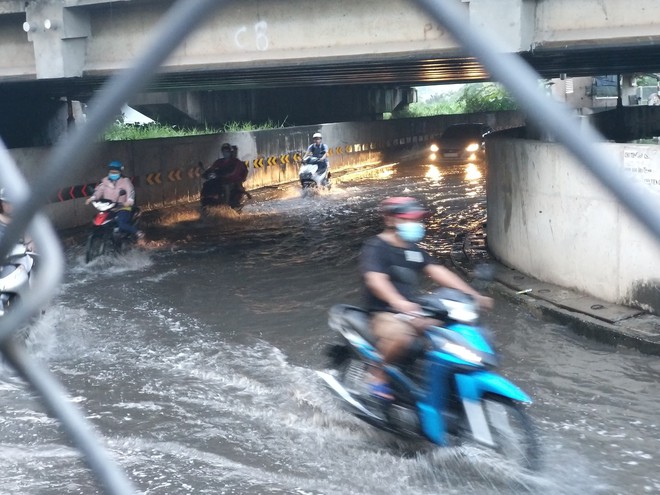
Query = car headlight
x=434 y=148
x=472 y=147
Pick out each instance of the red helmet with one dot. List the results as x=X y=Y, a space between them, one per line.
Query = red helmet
x=403 y=207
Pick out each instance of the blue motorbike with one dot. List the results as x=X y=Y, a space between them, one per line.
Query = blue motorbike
x=446 y=391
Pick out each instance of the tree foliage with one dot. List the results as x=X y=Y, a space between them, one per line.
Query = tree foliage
x=647 y=80
x=486 y=97
x=476 y=97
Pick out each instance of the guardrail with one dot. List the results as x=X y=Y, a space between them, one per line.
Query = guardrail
x=68 y=157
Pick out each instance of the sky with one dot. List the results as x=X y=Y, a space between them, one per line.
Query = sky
x=426 y=92
x=132 y=116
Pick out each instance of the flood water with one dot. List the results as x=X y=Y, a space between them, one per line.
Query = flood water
x=195 y=358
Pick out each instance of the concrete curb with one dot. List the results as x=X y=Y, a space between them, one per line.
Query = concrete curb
x=585 y=315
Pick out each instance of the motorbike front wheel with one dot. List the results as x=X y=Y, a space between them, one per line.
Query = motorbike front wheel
x=95 y=246
x=512 y=431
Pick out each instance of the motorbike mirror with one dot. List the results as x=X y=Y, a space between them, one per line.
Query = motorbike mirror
x=484 y=271
x=122 y=192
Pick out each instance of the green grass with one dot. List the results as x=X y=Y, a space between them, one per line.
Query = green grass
x=249 y=126
x=131 y=132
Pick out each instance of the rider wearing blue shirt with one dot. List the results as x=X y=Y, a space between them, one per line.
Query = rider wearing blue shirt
x=318 y=150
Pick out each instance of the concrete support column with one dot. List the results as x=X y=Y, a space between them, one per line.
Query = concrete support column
x=59 y=36
x=513 y=21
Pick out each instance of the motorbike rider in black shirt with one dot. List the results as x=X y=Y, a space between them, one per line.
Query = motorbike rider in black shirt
x=391 y=264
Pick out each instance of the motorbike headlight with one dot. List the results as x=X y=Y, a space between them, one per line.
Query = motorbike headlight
x=472 y=147
x=434 y=148
x=461 y=352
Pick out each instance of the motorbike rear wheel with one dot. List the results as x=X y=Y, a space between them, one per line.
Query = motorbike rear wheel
x=96 y=245
x=121 y=243
x=513 y=432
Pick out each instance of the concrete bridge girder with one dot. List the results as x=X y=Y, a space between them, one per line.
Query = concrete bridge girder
x=97 y=37
x=314 y=105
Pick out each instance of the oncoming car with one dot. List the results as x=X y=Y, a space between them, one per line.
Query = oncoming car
x=460 y=143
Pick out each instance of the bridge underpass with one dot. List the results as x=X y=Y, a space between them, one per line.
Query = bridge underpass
x=420 y=52
x=263 y=61
x=645 y=483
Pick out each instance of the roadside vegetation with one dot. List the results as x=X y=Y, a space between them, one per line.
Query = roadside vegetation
x=121 y=131
x=470 y=98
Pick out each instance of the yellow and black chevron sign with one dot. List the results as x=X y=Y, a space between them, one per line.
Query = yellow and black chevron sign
x=297 y=157
x=174 y=175
x=194 y=172
x=153 y=178
x=272 y=160
x=339 y=150
x=284 y=159
x=258 y=162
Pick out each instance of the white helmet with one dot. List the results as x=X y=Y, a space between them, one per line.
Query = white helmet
x=317 y=135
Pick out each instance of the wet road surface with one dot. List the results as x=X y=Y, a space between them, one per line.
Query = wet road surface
x=195 y=358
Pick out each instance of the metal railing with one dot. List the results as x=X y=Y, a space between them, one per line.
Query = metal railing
x=68 y=157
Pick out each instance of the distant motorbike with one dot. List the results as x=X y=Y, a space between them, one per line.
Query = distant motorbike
x=446 y=391
x=105 y=237
x=214 y=193
x=310 y=177
x=15 y=275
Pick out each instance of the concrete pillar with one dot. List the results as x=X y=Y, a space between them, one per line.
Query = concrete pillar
x=59 y=36
x=511 y=21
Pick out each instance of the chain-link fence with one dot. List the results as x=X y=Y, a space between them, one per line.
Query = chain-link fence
x=68 y=157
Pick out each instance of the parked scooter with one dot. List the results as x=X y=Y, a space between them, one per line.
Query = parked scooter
x=311 y=177
x=449 y=392
x=105 y=236
x=15 y=275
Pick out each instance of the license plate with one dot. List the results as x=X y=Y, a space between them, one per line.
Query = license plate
x=451 y=155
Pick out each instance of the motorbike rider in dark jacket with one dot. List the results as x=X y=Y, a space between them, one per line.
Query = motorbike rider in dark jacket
x=230 y=174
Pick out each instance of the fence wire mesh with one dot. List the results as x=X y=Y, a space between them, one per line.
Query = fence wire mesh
x=67 y=159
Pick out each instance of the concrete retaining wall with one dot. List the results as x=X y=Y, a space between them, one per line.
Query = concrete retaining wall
x=167 y=171
x=549 y=218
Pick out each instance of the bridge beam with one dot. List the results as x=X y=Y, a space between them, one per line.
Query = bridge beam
x=300 y=106
x=353 y=43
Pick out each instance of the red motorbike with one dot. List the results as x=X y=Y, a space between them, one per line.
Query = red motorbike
x=105 y=236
